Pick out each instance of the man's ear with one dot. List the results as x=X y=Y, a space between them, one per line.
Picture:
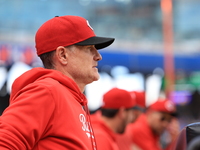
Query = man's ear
x=62 y=55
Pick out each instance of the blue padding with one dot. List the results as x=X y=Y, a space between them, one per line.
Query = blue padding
x=148 y=62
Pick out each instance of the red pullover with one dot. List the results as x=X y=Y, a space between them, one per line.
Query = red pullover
x=105 y=137
x=142 y=136
x=45 y=113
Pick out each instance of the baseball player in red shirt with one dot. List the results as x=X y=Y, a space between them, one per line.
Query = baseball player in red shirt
x=113 y=117
x=48 y=110
x=146 y=131
x=123 y=140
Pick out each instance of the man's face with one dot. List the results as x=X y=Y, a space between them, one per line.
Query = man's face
x=129 y=117
x=82 y=64
x=136 y=114
x=159 y=121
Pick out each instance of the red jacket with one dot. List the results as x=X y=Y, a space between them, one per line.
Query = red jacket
x=142 y=136
x=105 y=137
x=45 y=113
x=124 y=141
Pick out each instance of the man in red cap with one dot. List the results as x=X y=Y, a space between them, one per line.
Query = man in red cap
x=115 y=114
x=123 y=140
x=48 y=110
x=139 y=97
x=146 y=131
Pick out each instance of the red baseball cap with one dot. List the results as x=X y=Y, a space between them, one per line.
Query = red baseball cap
x=65 y=31
x=164 y=105
x=139 y=97
x=117 y=98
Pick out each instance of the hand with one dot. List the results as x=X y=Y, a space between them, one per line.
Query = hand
x=174 y=129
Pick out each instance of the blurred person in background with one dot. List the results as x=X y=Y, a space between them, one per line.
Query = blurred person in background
x=124 y=140
x=48 y=109
x=146 y=132
x=112 y=118
x=139 y=97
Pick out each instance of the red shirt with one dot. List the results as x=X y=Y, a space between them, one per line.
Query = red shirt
x=45 y=113
x=124 y=141
x=142 y=136
x=105 y=137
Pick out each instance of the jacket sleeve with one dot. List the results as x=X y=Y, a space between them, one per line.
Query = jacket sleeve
x=26 y=120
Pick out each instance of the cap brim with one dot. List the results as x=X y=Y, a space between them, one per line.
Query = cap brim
x=175 y=114
x=99 y=42
x=138 y=108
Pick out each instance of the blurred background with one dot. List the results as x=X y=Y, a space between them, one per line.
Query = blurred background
x=157 y=47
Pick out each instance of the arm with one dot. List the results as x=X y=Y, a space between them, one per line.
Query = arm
x=173 y=130
x=25 y=121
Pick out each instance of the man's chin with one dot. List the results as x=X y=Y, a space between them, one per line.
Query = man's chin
x=96 y=77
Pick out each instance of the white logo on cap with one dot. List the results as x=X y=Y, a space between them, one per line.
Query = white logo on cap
x=169 y=106
x=89 y=25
